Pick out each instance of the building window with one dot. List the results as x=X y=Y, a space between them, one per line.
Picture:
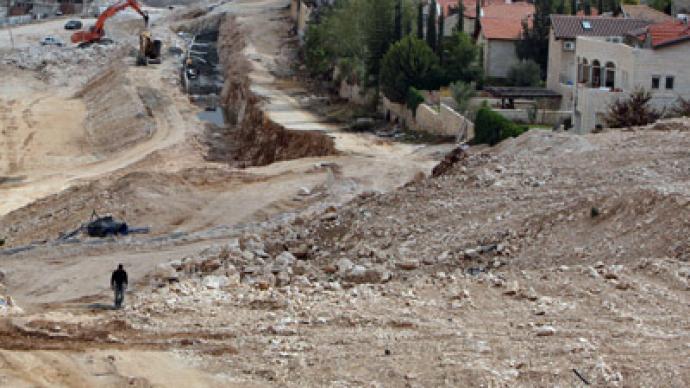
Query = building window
x=610 y=81
x=596 y=74
x=655 y=81
x=585 y=71
x=669 y=83
x=586 y=25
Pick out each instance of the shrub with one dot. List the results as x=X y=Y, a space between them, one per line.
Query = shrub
x=491 y=128
x=682 y=108
x=409 y=63
x=632 y=111
x=462 y=93
x=414 y=98
x=525 y=73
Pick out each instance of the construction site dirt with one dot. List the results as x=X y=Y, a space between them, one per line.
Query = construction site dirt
x=284 y=251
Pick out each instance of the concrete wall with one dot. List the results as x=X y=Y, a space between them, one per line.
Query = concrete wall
x=14 y=20
x=499 y=56
x=355 y=93
x=444 y=122
x=544 y=117
x=561 y=73
x=635 y=68
x=452 y=21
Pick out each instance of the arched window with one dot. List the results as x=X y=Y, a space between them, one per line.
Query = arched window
x=596 y=74
x=610 y=75
x=585 y=71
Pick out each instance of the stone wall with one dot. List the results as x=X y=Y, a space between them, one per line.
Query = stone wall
x=499 y=57
x=355 y=93
x=543 y=117
x=444 y=122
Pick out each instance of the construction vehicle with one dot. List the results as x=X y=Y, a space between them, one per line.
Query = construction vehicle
x=149 y=49
x=96 y=33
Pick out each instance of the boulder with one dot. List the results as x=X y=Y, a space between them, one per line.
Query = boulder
x=362 y=275
x=545 y=331
x=216 y=282
x=344 y=266
x=408 y=265
x=285 y=259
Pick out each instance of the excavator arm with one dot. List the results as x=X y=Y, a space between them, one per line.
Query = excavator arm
x=95 y=33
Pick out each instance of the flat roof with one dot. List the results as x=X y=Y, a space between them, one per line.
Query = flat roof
x=520 y=92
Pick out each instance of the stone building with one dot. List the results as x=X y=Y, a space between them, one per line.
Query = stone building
x=501 y=29
x=562 y=66
x=654 y=58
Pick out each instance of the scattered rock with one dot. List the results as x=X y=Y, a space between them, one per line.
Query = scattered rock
x=545 y=331
x=408 y=265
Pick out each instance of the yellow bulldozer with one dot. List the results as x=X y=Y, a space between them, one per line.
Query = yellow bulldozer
x=149 y=49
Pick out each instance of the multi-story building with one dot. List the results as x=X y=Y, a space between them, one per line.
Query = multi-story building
x=654 y=58
x=565 y=29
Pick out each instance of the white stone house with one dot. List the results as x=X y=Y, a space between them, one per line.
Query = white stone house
x=654 y=58
x=562 y=66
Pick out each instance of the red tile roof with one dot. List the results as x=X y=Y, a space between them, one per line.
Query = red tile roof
x=569 y=27
x=663 y=34
x=470 y=6
x=501 y=29
x=504 y=21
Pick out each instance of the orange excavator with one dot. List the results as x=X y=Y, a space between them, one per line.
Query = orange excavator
x=96 y=33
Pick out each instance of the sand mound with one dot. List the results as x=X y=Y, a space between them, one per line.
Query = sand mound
x=545 y=143
x=117 y=117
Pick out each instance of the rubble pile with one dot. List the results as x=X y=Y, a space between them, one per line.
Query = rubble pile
x=62 y=66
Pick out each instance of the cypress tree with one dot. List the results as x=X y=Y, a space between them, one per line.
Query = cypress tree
x=600 y=6
x=561 y=7
x=398 y=20
x=441 y=33
x=573 y=7
x=461 y=16
x=477 y=25
x=588 y=8
x=420 y=21
x=431 y=36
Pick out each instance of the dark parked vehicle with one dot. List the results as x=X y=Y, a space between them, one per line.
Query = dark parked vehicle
x=73 y=25
x=106 y=226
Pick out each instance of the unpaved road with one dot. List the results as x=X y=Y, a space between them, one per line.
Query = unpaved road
x=366 y=163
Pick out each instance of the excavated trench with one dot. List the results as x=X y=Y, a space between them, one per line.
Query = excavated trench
x=238 y=132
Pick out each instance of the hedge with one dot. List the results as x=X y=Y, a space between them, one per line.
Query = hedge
x=492 y=128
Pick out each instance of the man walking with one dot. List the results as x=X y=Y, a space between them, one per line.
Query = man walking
x=118 y=282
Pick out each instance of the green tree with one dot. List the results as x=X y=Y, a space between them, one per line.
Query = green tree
x=431 y=38
x=561 y=7
x=461 y=17
x=535 y=39
x=460 y=59
x=379 y=30
x=408 y=63
x=420 y=21
x=662 y=5
x=588 y=7
x=398 y=20
x=573 y=7
x=441 y=28
x=477 y=21
x=525 y=73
